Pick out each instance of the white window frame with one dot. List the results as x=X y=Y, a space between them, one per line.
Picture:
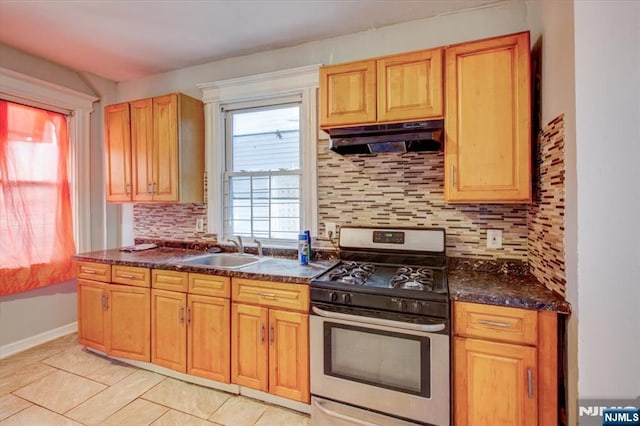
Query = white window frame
x=21 y=88
x=301 y=81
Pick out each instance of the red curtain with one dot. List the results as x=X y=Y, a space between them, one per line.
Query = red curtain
x=36 y=225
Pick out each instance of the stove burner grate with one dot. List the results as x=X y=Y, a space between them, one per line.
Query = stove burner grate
x=352 y=273
x=412 y=278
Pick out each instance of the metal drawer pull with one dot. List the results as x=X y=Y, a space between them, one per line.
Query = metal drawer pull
x=331 y=413
x=127 y=276
x=271 y=333
x=188 y=315
x=89 y=271
x=269 y=295
x=530 y=383
x=261 y=333
x=106 y=302
x=181 y=314
x=494 y=323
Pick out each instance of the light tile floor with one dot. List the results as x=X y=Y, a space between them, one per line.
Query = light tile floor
x=60 y=383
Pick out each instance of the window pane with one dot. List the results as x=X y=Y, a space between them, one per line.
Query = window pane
x=266 y=139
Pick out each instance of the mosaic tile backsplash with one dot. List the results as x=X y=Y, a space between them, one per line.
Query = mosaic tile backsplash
x=546 y=213
x=408 y=190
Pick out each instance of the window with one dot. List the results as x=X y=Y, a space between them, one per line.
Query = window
x=262 y=174
x=261 y=155
x=35 y=199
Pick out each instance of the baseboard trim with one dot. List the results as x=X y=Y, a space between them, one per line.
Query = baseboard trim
x=24 y=344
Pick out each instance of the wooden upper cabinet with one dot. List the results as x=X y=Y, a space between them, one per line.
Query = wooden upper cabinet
x=117 y=138
x=142 y=148
x=410 y=86
x=155 y=150
x=348 y=94
x=488 y=121
x=388 y=89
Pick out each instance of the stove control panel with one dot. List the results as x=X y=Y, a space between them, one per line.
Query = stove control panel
x=388 y=237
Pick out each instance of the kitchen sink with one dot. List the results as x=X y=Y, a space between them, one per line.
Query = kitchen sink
x=223 y=260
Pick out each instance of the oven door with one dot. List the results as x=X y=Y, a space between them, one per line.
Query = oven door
x=393 y=367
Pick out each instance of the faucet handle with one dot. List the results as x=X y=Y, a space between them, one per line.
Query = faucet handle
x=259 y=244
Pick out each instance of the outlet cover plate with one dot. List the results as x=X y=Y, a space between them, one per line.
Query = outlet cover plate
x=494 y=238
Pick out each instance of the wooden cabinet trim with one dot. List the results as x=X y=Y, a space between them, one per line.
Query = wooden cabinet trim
x=131 y=275
x=169 y=280
x=271 y=294
x=94 y=271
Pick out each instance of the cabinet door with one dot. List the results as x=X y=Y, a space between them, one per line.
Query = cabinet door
x=494 y=383
x=289 y=355
x=348 y=94
x=209 y=338
x=117 y=141
x=249 y=350
x=169 y=329
x=488 y=121
x=165 y=148
x=91 y=314
x=142 y=148
x=128 y=322
x=410 y=86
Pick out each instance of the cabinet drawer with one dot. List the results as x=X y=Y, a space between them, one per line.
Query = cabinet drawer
x=495 y=323
x=209 y=285
x=272 y=294
x=130 y=275
x=169 y=280
x=94 y=271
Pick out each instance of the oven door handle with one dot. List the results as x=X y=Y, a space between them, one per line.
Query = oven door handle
x=331 y=413
x=429 y=328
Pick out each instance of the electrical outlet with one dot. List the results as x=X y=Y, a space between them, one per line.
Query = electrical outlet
x=330 y=230
x=199 y=225
x=494 y=238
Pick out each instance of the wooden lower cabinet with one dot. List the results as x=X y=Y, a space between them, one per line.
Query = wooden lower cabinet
x=91 y=317
x=505 y=366
x=492 y=386
x=270 y=350
x=114 y=319
x=208 y=338
x=169 y=329
x=191 y=334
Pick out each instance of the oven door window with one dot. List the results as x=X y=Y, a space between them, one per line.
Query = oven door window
x=380 y=358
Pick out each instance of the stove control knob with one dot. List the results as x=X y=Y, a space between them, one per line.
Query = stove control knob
x=346 y=298
x=400 y=304
x=333 y=296
x=416 y=306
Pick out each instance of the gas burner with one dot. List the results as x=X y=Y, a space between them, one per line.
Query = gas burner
x=411 y=278
x=352 y=273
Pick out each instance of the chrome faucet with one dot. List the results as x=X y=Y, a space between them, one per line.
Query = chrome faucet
x=259 y=243
x=237 y=243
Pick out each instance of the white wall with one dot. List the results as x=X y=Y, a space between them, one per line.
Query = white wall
x=424 y=33
x=25 y=315
x=607 y=78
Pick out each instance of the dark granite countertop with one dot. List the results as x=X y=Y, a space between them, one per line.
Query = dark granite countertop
x=492 y=283
x=512 y=290
x=268 y=269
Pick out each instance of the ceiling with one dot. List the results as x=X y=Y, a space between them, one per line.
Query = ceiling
x=123 y=40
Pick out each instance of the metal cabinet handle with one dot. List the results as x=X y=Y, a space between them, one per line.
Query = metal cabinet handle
x=271 y=334
x=89 y=271
x=126 y=276
x=530 y=383
x=104 y=307
x=148 y=187
x=495 y=323
x=127 y=188
x=188 y=315
x=181 y=314
x=106 y=302
x=267 y=295
x=261 y=333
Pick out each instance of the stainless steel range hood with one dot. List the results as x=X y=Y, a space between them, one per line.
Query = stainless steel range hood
x=381 y=138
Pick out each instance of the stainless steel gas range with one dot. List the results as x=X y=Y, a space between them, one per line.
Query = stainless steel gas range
x=380 y=331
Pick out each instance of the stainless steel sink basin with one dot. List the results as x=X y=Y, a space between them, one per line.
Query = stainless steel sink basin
x=223 y=260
